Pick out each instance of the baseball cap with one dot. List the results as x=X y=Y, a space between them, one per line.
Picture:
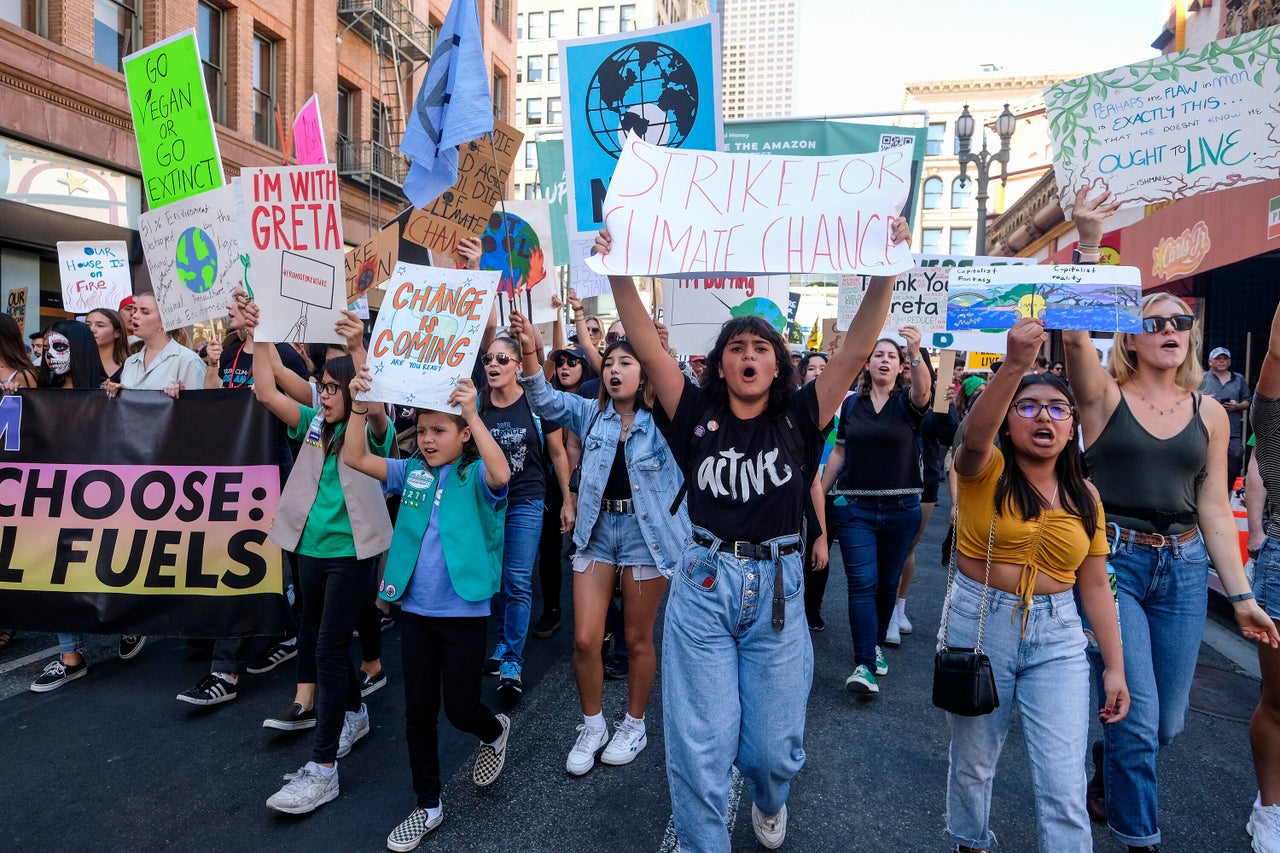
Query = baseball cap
x=1217 y=351
x=693 y=358
x=127 y=302
x=577 y=351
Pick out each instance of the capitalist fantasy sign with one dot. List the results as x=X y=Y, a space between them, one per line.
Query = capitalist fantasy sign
x=193 y=252
x=1092 y=297
x=661 y=84
x=1172 y=127
x=428 y=334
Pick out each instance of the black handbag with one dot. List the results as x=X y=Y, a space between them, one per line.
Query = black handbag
x=963 y=682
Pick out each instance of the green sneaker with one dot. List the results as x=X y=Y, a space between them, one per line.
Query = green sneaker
x=882 y=665
x=863 y=680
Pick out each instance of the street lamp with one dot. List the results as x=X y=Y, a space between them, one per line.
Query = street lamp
x=1006 y=124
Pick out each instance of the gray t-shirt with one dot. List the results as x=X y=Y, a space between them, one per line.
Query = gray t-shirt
x=1234 y=388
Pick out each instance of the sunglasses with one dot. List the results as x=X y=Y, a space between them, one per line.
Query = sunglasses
x=1031 y=409
x=500 y=357
x=329 y=388
x=568 y=361
x=595 y=330
x=614 y=337
x=1181 y=323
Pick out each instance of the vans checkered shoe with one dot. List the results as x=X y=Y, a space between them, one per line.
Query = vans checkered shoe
x=490 y=759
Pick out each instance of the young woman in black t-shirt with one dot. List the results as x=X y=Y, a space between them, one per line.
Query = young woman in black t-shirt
x=748 y=446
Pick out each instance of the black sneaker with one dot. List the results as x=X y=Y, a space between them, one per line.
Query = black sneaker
x=617 y=668
x=372 y=683
x=56 y=673
x=494 y=664
x=210 y=690
x=386 y=623
x=276 y=655
x=292 y=719
x=130 y=645
x=547 y=625
x=817 y=623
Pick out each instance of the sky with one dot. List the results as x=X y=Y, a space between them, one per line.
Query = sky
x=855 y=55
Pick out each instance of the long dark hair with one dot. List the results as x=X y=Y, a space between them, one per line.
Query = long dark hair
x=583 y=362
x=780 y=390
x=864 y=378
x=486 y=393
x=645 y=395
x=13 y=352
x=120 y=346
x=342 y=370
x=86 y=367
x=1016 y=491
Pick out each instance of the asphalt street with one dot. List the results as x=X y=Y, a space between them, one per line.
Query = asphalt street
x=112 y=762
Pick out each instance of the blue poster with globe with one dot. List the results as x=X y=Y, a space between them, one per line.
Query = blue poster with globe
x=193 y=253
x=663 y=84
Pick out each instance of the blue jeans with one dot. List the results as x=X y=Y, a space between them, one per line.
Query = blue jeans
x=719 y=643
x=1163 y=598
x=68 y=643
x=875 y=535
x=1043 y=673
x=514 y=601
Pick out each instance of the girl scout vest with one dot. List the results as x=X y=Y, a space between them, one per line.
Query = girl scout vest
x=471 y=532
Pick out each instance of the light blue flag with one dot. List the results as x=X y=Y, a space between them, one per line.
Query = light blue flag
x=453 y=106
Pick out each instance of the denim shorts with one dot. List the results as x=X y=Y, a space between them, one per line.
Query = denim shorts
x=618 y=541
x=1266 y=577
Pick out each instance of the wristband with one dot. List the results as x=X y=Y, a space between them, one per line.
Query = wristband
x=356 y=411
x=1089 y=246
x=1244 y=596
x=528 y=351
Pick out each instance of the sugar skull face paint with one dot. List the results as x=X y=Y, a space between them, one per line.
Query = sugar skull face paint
x=58 y=353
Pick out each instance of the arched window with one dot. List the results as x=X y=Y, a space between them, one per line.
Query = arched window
x=933 y=193
x=959 y=193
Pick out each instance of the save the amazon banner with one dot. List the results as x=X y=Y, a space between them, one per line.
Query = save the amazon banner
x=140 y=514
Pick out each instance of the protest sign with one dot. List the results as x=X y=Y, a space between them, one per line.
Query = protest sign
x=695 y=308
x=308 y=135
x=1092 y=297
x=946 y=370
x=824 y=138
x=194 y=255
x=662 y=84
x=517 y=243
x=463 y=210
x=698 y=212
x=17 y=302
x=95 y=274
x=294 y=244
x=982 y=361
x=371 y=263
x=177 y=145
x=1171 y=127
x=584 y=280
x=428 y=334
x=117 y=521
x=555 y=188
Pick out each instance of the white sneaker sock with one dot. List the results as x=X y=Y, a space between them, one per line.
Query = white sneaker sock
x=595 y=722
x=632 y=723
x=900 y=608
x=229 y=677
x=326 y=772
x=434 y=814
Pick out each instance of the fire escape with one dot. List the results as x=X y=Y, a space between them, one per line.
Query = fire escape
x=401 y=42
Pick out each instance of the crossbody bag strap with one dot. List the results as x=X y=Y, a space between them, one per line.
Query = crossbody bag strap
x=951 y=576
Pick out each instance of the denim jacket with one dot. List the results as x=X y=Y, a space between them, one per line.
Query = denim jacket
x=655 y=477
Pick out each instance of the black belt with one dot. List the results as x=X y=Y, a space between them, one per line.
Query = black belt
x=753 y=551
x=625 y=506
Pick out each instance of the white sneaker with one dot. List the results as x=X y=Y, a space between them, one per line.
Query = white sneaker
x=306 y=790
x=626 y=744
x=354 y=726
x=583 y=755
x=904 y=624
x=771 y=831
x=1264 y=826
x=413 y=829
x=892 y=636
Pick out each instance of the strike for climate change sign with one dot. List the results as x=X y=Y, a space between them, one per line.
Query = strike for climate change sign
x=137 y=516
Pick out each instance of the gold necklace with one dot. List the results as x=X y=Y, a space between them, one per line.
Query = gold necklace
x=1159 y=411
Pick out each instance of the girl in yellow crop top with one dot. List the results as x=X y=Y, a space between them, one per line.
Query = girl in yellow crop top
x=1027 y=501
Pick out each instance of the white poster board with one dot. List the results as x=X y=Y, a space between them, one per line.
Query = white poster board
x=693 y=309
x=95 y=274
x=428 y=334
x=193 y=252
x=584 y=280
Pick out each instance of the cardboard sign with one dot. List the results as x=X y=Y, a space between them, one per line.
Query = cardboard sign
x=1099 y=298
x=194 y=255
x=464 y=209
x=177 y=145
x=703 y=212
x=294 y=243
x=946 y=369
x=308 y=135
x=428 y=334
x=695 y=308
x=1171 y=127
x=663 y=84
x=95 y=274
x=372 y=262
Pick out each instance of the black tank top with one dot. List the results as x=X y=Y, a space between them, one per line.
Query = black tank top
x=1146 y=483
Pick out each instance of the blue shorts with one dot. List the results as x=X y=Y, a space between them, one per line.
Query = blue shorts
x=1266 y=577
x=618 y=540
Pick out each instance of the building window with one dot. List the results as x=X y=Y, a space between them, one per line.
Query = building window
x=533 y=111
x=555 y=23
x=959 y=193
x=264 y=89
x=553 y=111
x=626 y=17
x=933 y=193
x=537 y=25
x=499 y=89
x=608 y=20
x=931 y=241
x=31 y=15
x=530 y=155
x=535 y=69
x=500 y=14
x=117 y=31
x=959 y=241
x=379 y=124
x=519 y=26
x=345 y=130
x=584 y=23
x=530 y=190
x=933 y=145
x=213 y=57
x=553 y=67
